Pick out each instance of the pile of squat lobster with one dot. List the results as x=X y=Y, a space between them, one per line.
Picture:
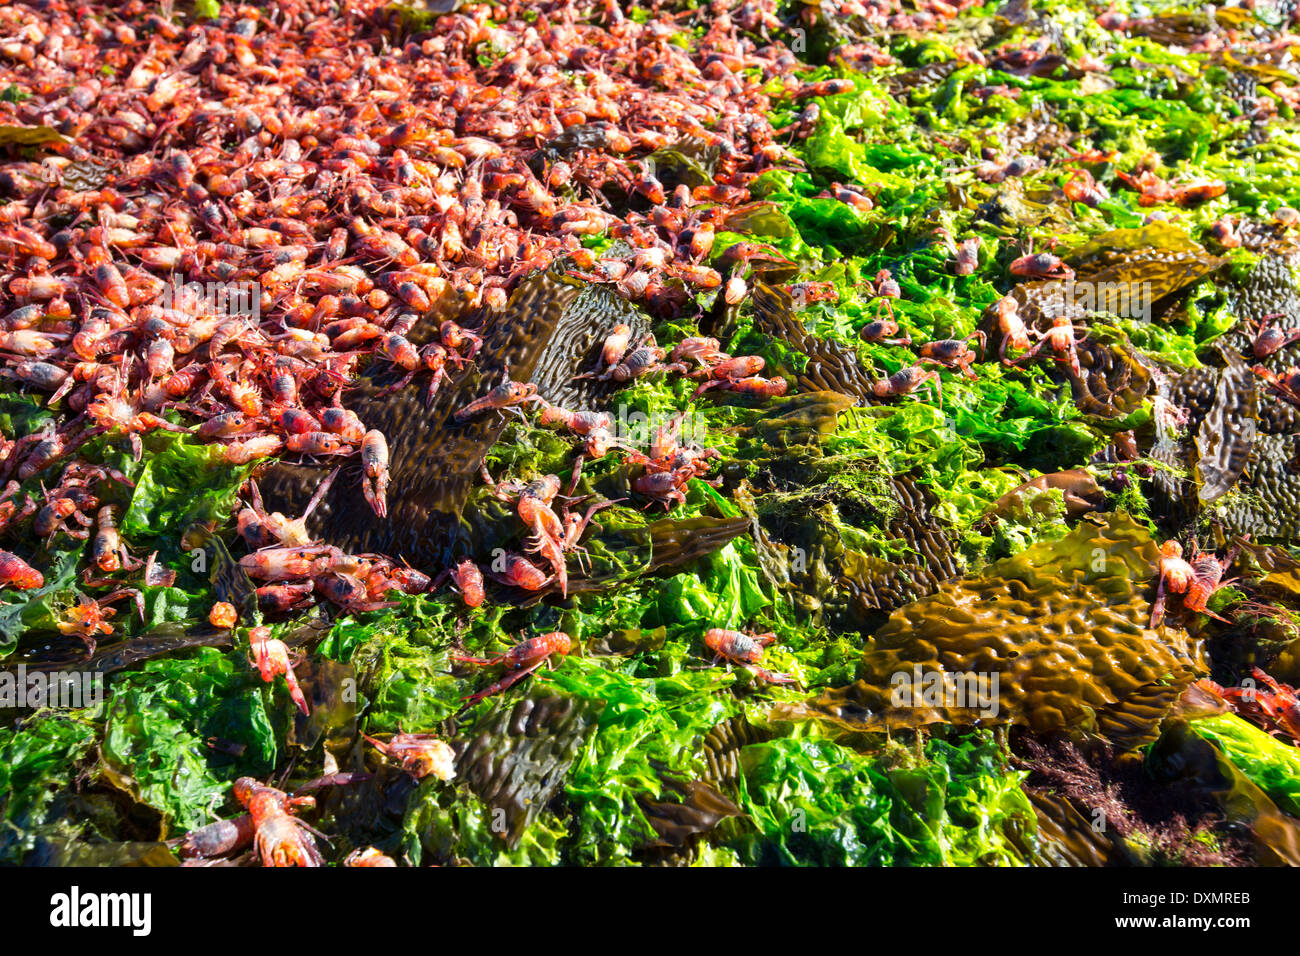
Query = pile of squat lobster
x=286 y=152
x=350 y=184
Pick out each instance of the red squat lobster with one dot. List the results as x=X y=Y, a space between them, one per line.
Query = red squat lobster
x=670 y=464
x=1275 y=706
x=17 y=573
x=520 y=661
x=374 y=472
x=419 y=754
x=281 y=839
x=505 y=397
x=1269 y=338
x=1197 y=581
x=468 y=579
x=740 y=375
x=271 y=657
x=646 y=358
x=595 y=427
x=369 y=857
x=534 y=509
x=1060 y=338
x=745 y=650
x=1285 y=385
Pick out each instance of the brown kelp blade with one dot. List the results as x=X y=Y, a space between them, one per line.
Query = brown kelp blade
x=433 y=460
x=833 y=367
x=1061 y=627
x=550 y=331
x=518 y=752
x=1226 y=437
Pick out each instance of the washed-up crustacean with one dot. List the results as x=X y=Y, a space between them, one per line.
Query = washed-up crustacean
x=89 y=617
x=247 y=263
x=420 y=755
x=520 y=661
x=218 y=839
x=17 y=573
x=1062 y=338
x=1268 y=702
x=271 y=656
x=746 y=650
x=1269 y=338
x=642 y=360
x=367 y=857
x=260 y=529
x=1042 y=265
x=374 y=464
x=1285 y=384
x=701 y=349
x=469 y=579
x=343 y=235
x=505 y=397
x=908 y=380
x=280 y=838
x=1207 y=578
x=952 y=353
x=880 y=330
x=1176 y=576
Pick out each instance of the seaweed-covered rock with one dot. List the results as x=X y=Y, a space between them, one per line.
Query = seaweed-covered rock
x=1183 y=755
x=1096 y=809
x=1184 y=29
x=799 y=421
x=930 y=556
x=1063 y=626
x=1115 y=248
x=811 y=801
x=1066 y=836
x=551 y=329
x=1278 y=417
x=854 y=588
x=1195 y=390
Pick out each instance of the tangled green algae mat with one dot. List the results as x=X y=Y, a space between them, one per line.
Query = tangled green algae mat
x=879 y=536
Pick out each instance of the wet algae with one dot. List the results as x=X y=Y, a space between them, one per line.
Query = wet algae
x=1062 y=625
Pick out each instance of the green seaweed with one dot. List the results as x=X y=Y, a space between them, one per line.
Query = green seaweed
x=34 y=767
x=1271 y=764
x=815 y=803
x=159 y=724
